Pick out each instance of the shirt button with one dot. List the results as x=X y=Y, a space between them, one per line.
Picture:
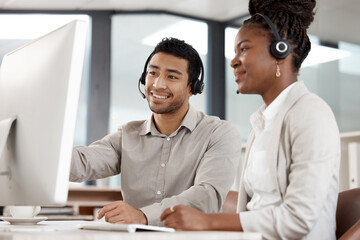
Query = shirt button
x=162 y=165
x=168 y=139
x=158 y=192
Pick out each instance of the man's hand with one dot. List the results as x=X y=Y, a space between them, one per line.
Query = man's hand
x=122 y=212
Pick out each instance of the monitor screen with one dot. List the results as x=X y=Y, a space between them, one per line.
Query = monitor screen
x=39 y=93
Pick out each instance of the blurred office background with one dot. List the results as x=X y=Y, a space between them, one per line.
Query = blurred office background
x=123 y=33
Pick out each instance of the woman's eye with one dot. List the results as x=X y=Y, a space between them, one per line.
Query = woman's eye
x=243 y=49
x=152 y=73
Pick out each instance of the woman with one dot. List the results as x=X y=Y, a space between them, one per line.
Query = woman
x=289 y=184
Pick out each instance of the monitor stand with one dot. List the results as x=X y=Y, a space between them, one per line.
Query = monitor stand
x=5 y=126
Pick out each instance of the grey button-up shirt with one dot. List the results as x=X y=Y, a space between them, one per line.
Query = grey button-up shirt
x=194 y=166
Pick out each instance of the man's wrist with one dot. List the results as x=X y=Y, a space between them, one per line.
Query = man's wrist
x=143 y=218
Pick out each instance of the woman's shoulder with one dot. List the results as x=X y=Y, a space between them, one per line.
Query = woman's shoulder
x=311 y=104
x=311 y=112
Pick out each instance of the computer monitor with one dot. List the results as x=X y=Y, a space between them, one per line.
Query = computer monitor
x=39 y=88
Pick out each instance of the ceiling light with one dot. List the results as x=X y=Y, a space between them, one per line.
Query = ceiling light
x=321 y=54
x=192 y=32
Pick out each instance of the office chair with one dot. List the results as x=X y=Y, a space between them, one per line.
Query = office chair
x=348 y=215
x=230 y=202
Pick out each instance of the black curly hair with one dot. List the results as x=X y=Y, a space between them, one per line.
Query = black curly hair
x=291 y=18
x=181 y=49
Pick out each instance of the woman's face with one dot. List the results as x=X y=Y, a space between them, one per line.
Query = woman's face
x=254 y=66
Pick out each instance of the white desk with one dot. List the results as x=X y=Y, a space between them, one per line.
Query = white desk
x=66 y=230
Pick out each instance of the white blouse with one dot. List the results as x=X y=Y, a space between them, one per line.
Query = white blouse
x=258 y=183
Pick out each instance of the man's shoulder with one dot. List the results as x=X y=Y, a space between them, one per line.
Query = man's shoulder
x=214 y=122
x=137 y=125
x=218 y=131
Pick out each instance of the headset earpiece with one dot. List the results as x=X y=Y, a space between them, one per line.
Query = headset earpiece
x=197 y=86
x=280 y=48
x=143 y=75
x=142 y=78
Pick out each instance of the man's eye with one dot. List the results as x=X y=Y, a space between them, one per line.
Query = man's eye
x=172 y=77
x=152 y=73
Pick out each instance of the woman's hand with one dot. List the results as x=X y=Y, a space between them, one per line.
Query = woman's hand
x=185 y=218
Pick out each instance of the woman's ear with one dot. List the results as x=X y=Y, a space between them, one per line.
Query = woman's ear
x=280 y=61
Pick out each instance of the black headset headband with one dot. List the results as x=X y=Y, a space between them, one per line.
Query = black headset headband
x=280 y=48
x=197 y=84
x=271 y=25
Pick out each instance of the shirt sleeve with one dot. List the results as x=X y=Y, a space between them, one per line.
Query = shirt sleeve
x=312 y=179
x=99 y=160
x=214 y=176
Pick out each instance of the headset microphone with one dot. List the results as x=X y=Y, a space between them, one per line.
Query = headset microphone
x=237 y=92
x=142 y=94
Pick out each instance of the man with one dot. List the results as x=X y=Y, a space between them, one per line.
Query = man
x=178 y=156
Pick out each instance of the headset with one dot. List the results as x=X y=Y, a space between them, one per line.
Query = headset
x=197 y=85
x=280 y=48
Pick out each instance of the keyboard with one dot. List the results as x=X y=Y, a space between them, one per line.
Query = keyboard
x=131 y=228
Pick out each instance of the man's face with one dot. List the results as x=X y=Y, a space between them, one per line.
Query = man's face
x=166 y=84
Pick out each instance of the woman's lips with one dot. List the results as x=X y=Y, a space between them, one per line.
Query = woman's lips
x=238 y=75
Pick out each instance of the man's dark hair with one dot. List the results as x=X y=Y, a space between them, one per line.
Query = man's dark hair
x=179 y=48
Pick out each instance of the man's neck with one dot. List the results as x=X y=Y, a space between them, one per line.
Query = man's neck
x=169 y=123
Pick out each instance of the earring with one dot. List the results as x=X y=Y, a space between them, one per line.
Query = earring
x=277 y=71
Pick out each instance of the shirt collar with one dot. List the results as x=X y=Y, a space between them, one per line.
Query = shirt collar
x=189 y=122
x=265 y=114
x=149 y=127
x=257 y=120
x=190 y=119
x=274 y=107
